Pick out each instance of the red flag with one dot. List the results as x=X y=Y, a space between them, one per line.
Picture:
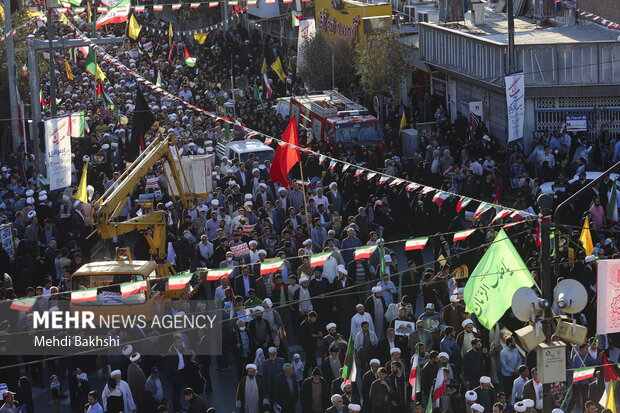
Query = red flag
x=608 y=369
x=286 y=156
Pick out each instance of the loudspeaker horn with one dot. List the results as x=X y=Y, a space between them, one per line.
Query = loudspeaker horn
x=571 y=296
x=525 y=304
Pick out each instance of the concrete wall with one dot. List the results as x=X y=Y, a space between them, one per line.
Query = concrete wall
x=608 y=9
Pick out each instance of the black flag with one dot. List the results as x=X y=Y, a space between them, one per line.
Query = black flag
x=143 y=119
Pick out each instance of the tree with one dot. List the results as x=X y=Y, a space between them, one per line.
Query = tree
x=316 y=68
x=380 y=63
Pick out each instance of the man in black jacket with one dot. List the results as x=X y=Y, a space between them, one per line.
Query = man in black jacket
x=196 y=404
x=285 y=391
x=308 y=334
x=314 y=394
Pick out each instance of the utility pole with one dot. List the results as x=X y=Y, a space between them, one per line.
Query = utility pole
x=512 y=61
x=10 y=61
x=52 y=62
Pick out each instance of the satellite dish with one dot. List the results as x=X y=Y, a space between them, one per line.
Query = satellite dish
x=571 y=296
x=525 y=304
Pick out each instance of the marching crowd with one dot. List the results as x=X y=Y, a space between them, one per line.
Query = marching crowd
x=285 y=335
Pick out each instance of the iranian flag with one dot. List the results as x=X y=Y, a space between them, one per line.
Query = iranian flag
x=482 y=208
x=364 y=252
x=370 y=175
x=346 y=166
x=397 y=181
x=332 y=165
x=501 y=214
x=358 y=172
x=138 y=9
x=518 y=215
x=158 y=7
x=213 y=3
x=322 y=159
x=176 y=6
x=413 y=376
x=612 y=204
x=512 y=224
x=440 y=198
x=319 y=259
x=194 y=5
x=269 y=267
x=82 y=296
x=416 y=244
x=216 y=275
x=383 y=180
x=349 y=369
x=117 y=14
x=440 y=387
x=178 y=282
x=583 y=374
x=23 y=304
x=412 y=187
x=463 y=202
x=131 y=288
x=461 y=235
x=267 y=85
x=189 y=60
x=426 y=190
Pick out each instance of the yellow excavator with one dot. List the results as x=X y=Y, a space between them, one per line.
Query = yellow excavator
x=107 y=276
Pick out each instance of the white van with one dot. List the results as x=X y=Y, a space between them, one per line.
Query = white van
x=242 y=149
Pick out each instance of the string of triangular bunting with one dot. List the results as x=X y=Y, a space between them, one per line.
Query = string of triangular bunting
x=440 y=195
x=172 y=6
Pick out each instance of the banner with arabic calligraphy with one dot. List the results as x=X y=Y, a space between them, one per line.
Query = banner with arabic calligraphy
x=498 y=275
x=515 y=104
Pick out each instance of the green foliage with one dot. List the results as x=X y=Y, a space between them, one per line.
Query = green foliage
x=380 y=63
x=316 y=68
x=19 y=18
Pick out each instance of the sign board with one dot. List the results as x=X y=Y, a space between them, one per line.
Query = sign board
x=307 y=31
x=551 y=362
x=6 y=238
x=240 y=250
x=515 y=104
x=403 y=327
x=608 y=298
x=195 y=173
x=58 y=151
x=576 y=123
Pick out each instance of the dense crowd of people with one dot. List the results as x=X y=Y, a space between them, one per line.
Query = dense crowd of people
x=285 y=335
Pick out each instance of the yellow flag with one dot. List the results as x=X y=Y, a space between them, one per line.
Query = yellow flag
x=134 y=28
x=201 y=38
x=586 y=237
x=611 y=397
x=68 y=71
x=81 y=194
x=170 y=33
x=277 y=67
x=263 y=68
x=100 y=75
x=403 y=121
x=2 y=12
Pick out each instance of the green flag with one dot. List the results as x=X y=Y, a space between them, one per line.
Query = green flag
x=256 y=94
x=349 y=371
x=498 y=275
x=429 y=405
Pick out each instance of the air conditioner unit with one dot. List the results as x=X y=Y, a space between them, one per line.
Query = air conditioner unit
x=422 y=17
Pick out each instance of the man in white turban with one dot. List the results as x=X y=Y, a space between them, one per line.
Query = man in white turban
x=128 y=403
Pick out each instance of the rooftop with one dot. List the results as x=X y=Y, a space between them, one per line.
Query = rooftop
x=495 y=28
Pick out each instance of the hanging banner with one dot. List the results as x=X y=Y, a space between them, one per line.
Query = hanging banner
x=515 y=104
x=608 y=298
x=307 y=31
x=58 y=151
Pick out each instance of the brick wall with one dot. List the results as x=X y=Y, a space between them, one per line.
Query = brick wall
x=608 y=9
